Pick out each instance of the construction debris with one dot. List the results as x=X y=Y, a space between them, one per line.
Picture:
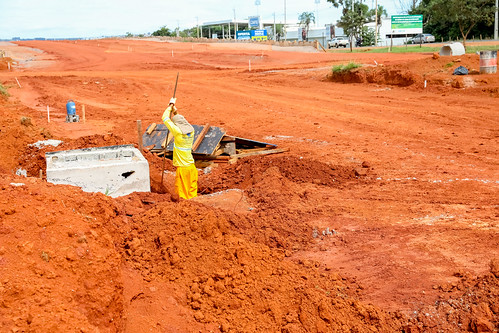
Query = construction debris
x=211 y=144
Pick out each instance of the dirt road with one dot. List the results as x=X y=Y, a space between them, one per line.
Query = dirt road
x=383 y=216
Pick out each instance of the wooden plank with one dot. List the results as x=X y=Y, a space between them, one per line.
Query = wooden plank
x=263 y=152
x=200 y=137
x=228 y=138
x=207 y=146
x=156 y=137
x=167 y=140
x=244 y=151
x=151 y=128
x=139 y=134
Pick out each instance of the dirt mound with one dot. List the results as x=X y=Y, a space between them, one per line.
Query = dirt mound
x=252 y=171
x=377 y=75
x=4 y=63
x=468 y=305
x=238 y=285
x=436 y=71
x=16 y=132
x=58 y=265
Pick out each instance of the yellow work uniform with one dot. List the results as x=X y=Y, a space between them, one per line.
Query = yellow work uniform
x=186 y=175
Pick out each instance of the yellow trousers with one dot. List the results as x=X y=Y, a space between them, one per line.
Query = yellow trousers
x=186 y=182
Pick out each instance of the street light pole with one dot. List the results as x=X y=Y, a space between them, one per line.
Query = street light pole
x=285 y=30
x=317 y=12
x=376 y=25
x=496 y=24
x=235 y=22
x=197 y=25
x=275 y=33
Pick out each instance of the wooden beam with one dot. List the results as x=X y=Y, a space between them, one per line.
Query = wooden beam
x=263 y=152
x=200 y=137
x=139 y=134
x=151 y=128
x=167 y=140
x=250 y=150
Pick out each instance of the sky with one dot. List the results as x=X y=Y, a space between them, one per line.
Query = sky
x=97 y=18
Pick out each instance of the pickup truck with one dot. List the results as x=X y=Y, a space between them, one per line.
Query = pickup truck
x=337 y=42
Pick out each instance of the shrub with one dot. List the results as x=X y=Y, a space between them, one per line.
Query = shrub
x=3 y=91
x=345 y=68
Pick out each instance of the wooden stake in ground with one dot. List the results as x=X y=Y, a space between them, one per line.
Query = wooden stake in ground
x=18 y=83
x=139 y=133
x=48 y=114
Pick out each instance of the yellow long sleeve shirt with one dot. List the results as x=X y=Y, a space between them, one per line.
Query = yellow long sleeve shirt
x=182 y=143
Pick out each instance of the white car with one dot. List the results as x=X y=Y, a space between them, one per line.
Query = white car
x=337 y=42
x=423 y=38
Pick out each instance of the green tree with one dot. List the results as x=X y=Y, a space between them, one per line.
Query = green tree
x=367 y=36
x=466 y=13
x=445 y=18
x=305 y=19
x=354 y=15
x=163 y=31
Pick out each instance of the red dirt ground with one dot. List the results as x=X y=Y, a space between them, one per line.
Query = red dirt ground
x=382 y=217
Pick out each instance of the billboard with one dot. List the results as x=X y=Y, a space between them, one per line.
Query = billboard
x=251 y=34
x=407 y=24
x=259 y=34
x=245 y=34
x=254 y=21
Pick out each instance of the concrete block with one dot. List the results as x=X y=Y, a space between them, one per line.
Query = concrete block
x=113 y=170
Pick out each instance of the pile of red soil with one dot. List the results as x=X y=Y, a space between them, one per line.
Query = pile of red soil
x=238 y=285
x=59 y=270
x=251 y=171
x=437 y=71
x=4 y=63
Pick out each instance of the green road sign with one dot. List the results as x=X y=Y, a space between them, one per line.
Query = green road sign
x=407 y=24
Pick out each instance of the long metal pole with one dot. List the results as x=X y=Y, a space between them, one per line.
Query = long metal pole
x=376 y=25
x=285 y=30
x=496 y=24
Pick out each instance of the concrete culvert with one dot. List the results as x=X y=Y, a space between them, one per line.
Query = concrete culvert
x=454 y=49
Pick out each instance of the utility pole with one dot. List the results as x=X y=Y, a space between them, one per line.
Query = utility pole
x=275 y=32
x=496 y=24
x=376 y=25
x=197 y=25
x=235 y=22
x=285 y=30
x=317 y=12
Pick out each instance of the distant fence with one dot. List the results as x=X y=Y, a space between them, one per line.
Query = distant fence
x=315 y=44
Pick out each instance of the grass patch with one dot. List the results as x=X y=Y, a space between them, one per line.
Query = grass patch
x=425 y=48
x=475 y=49
x=345 y=68
x=3 y=91
x=449 y=64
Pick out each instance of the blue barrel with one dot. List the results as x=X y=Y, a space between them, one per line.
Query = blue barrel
x=71 y=108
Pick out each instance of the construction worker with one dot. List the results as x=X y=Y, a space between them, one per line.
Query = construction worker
x=186 y=175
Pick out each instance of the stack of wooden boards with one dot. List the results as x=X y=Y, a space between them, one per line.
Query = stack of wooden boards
x=211 y=144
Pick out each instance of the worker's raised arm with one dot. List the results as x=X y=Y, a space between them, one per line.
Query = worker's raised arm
x=168 y=122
